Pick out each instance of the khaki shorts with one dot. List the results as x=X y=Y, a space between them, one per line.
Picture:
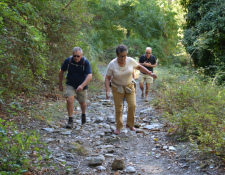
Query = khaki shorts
x=145 y=78
x=80 y=96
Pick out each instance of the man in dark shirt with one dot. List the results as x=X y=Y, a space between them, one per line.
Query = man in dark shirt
x=78 y=76
x=148 y=61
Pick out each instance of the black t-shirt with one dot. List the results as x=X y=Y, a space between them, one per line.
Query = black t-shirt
x=77 y=72
x=151 y=60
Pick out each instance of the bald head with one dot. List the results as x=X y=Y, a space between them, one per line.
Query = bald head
x=148 y=52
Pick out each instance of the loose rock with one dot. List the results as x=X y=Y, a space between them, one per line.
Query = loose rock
x=118 y=164
x=130 y=169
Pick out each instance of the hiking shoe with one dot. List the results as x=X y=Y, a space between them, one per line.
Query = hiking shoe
x=83 y=119
x=142 y=96
x=69 y=125
x=146 y=100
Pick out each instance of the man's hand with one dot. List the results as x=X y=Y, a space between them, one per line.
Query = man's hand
x=80 y=88
x=147 y=64
x=107 y=95
x=153 y=75
x=61 y=87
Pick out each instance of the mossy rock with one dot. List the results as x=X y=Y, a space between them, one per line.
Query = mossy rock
x=75 y=147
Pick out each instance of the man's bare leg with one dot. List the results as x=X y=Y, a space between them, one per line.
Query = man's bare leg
x=141 y=85
x=147 y=91
x=70 y=101
x=83 y=106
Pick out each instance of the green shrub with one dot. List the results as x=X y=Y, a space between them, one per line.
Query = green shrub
x=16 y=147
x=194 y=108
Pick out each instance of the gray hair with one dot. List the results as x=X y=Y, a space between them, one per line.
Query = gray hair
x=121 y=48
x=78 y=49
x=147 y=48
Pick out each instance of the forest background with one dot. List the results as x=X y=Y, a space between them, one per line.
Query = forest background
x=187 y=38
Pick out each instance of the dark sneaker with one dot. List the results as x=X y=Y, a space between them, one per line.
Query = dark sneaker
x=69 y=125
x=142 y=96
x=83 y=119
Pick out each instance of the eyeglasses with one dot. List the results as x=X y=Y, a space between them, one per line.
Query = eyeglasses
x=147 y=53
x=78 y=56
x=120 y=56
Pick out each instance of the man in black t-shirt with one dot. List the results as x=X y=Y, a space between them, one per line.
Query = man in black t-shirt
x=148 y=61
x=78 y=76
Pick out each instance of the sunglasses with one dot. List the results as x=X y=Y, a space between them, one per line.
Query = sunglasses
x=74 y=56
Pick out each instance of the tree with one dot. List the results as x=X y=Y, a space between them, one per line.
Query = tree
x=204 y=35
x=138 y=24
x=35 y=37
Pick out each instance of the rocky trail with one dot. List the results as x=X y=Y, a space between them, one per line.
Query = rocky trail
x=93 y=149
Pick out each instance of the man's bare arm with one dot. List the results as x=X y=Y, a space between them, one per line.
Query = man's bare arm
x=107 y=87
x=146 y=71
x=149 y=64
x=86 y=81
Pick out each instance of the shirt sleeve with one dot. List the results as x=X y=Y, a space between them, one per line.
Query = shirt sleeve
x=154 y=60
x=141 y=59
x=65 y=64
x=87 y=67
x=109 y=71
x=134 y=63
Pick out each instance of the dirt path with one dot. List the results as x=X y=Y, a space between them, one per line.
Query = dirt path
x=92 y=148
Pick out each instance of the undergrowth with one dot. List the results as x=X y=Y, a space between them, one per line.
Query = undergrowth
x=17 y=148
x=193 y=106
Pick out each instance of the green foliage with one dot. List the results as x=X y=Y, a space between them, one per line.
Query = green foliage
x=136 y=47
x=36 y=36
x=16 y=147
x=204 y=33
x=194 y=108
x=23 y=45
x=97 y=81
x=138 y=24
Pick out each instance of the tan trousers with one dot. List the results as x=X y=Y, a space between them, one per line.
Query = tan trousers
x=118 y=101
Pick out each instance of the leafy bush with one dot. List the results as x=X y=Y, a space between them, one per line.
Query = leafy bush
x=136 y=47
x=194 y=108
x=16 y=147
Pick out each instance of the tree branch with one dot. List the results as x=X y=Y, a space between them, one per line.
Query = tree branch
x=64 y=8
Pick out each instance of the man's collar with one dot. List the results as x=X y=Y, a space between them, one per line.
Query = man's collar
x=149 y=57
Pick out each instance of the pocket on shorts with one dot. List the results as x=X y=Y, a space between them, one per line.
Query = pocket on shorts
x=70 y=91
x=149 y=79
x=82 y=96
